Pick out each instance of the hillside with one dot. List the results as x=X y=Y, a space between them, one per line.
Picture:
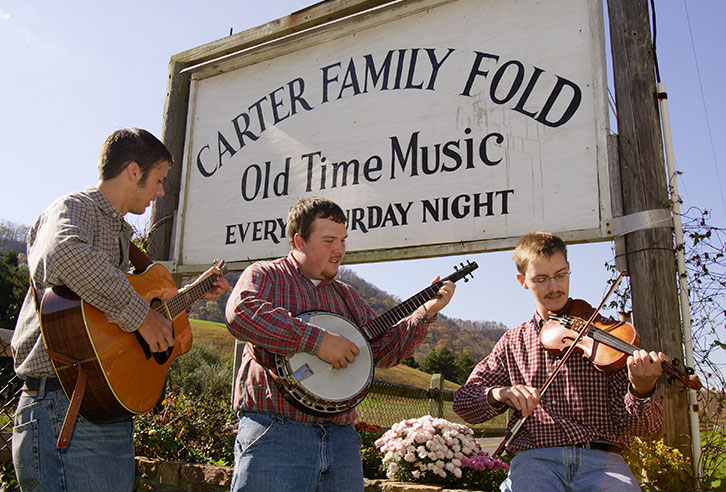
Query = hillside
x=474 y=338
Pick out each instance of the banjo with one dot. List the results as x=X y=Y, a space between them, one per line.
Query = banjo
x=314 y=387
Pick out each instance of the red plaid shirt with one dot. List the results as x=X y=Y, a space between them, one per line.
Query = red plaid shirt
x=262 y=309
x=581 y=405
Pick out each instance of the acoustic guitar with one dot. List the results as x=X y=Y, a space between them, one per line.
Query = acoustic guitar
x=123 y=376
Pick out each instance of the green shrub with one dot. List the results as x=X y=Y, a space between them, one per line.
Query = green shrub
x=658 y=467
x=7 y=476
x=194 y=422
x=201 y=372
x=369 y=453
x=194 y=430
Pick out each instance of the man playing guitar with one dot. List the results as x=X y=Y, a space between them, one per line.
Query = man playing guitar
x=81 y=241
x=278 y=446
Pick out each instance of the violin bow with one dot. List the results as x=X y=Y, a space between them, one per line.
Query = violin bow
x=509 y=436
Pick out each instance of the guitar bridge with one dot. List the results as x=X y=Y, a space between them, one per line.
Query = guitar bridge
x=302 y=373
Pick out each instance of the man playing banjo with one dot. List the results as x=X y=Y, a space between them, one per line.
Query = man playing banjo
x=281 y=445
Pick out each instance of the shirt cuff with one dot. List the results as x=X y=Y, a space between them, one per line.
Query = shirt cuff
x=499 y=406
x=638 y=402
x=424 y=316
x=134 y=314
x=311 y=339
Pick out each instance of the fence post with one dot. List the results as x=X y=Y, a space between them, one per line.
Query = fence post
x=436 y=400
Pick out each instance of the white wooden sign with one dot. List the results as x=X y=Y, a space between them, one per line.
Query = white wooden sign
x=466 y=123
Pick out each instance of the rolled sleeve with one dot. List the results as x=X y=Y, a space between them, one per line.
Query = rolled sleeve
x=134 y=314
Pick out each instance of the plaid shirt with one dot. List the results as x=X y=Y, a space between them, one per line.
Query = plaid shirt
x=80 y=241
x=262 y=309
x=581 y=405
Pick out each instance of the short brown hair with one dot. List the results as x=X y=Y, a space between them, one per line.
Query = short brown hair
x=128 y=145
x=301 y=216
x=537 y=245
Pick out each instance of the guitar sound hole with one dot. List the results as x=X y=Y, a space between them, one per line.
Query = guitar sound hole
x=160 y=357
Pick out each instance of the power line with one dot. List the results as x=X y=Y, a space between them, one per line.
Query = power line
x=705 y=108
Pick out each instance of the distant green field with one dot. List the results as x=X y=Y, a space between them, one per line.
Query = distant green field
x=214 y=334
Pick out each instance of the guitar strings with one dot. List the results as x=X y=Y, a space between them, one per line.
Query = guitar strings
x=380 y=324
x=176 y=304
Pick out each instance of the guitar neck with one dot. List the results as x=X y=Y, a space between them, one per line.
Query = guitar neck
x=184 y=299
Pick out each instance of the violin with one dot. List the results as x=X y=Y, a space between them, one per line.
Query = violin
x=607 y=344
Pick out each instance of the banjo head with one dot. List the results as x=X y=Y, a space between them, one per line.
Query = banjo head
x=318 y=377
x=313 y=386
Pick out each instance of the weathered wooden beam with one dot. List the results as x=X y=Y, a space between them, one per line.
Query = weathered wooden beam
x=649 y=253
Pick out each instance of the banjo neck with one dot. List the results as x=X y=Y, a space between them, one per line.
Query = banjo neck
x=378 y=325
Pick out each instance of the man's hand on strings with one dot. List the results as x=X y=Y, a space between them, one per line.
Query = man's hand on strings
x=337 y=350
x=221 y=285
x=443 y=296
x=156 y=330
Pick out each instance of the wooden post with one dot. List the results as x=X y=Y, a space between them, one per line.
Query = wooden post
x=436 y=402
x=164 y=208
x=648 y=253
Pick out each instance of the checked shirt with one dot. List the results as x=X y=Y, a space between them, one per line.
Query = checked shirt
x=262 y=309
x=581 y=405
x=80 y=241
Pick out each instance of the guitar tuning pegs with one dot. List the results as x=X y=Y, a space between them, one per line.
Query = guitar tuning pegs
x=690 y=371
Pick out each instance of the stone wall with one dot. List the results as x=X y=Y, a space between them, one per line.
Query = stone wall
x=176 y=476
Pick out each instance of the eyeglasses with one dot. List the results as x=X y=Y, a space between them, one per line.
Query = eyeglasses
x=544 y=279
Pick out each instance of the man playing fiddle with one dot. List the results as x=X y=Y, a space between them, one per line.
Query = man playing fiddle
x=577 y=429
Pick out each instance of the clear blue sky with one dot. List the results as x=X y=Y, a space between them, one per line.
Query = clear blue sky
x=74 y=72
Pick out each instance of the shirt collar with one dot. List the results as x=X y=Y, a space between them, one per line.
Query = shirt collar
x=537 y=321
x=293 y=261
x=106 y=207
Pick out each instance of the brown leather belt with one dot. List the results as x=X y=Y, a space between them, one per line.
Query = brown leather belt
x=51 y=384
x=610 y=447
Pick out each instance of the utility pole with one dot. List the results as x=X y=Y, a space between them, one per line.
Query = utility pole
x=648 y=253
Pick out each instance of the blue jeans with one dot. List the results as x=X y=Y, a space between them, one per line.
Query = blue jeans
x=274 y=454
x=99 y=457
x=568 y=469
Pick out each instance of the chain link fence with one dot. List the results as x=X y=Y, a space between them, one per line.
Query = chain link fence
x=10 y=385
x=389 y=403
